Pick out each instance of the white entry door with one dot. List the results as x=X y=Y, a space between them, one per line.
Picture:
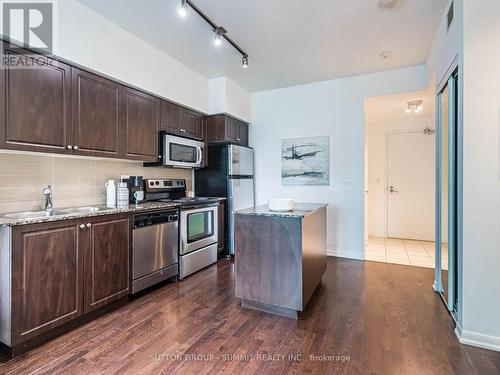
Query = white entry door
x=411 y=185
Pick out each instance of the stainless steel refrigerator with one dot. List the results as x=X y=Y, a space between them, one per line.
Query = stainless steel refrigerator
x=229 y=174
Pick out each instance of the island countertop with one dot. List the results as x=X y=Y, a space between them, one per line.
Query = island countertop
x=301 y=210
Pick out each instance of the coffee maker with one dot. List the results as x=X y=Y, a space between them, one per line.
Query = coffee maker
x=135 y=185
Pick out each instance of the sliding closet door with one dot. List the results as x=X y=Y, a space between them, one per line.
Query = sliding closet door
x=446 y=193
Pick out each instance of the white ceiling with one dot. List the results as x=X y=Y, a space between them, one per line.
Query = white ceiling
x=289 y=42
x=391 y=108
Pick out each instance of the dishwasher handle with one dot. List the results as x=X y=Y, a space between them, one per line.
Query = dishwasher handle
x=155 y=218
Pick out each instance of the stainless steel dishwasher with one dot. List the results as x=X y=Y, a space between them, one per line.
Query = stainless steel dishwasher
x=155 y=248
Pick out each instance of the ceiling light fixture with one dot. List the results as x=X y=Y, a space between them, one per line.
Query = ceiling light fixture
x=415 y=106
x=220 y=32
x=388 y=4
x=183 y=9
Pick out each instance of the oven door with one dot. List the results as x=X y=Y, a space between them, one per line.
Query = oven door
x=182 y=152
x=198 y=228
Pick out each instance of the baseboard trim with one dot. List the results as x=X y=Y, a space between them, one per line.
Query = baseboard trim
x=478 y=339
x=344 y=254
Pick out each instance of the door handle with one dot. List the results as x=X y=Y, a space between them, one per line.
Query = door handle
x=391 y=190
x=199 y=155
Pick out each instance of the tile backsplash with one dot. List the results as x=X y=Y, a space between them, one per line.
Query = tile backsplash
x=76 y=181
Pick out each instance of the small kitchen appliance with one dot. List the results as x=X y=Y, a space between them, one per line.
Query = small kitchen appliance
x=135 y=185
x=181 y=152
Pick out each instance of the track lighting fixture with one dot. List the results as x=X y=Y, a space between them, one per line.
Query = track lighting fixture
x=183 y=8
x=220 y=32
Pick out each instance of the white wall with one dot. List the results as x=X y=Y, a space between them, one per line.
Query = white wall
x=377 y=130
x=334 y=108
x=87 y=38
x=226 y=96
x=447 y=45
x=481 y=185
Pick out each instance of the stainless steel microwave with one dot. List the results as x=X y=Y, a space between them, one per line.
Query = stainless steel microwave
x=181 y=152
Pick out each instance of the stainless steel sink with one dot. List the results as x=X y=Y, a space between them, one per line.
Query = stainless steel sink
x=78 y=210
x=27 y=215
x=30 y=214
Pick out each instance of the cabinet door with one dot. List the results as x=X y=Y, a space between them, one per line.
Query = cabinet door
x=191 y=123
x=47 y=285
x=95 y=115
x=170 y=117
x=140 y=125
x=34 y=103
x=232 y=129
x=242 y=134
x=106 y=261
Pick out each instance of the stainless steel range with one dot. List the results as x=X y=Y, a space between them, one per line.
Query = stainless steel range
x=198 y=223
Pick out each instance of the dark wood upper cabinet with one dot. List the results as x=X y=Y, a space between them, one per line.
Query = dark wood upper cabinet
x=47 y=285
x=34 y=104
x=192 y=123
x=224 y=128
x=106 y=244
x=61 y=108
x=95 y=114
x=181 y=121
x=243 y=133
x=140 y=125
x=170 y=117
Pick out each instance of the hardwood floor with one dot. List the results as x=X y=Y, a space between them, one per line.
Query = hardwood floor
x=370 y=318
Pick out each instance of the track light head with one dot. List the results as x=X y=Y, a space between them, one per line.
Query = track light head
x=244 y=61
x=219 y=33
x=183 y=9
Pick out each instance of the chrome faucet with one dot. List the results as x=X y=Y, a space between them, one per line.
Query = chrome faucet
x=47 y=192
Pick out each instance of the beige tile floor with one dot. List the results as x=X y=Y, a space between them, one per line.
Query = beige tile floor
x=401 y=251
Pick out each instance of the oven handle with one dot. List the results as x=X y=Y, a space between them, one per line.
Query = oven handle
x=200 y=206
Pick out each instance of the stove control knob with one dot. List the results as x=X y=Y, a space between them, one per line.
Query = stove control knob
x=157 y=182
x=170 y=217
x=151 y=183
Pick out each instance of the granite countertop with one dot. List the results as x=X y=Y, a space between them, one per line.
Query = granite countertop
x=103 y=210
x=301 y=210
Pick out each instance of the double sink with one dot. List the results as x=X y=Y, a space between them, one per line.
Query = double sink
x=27 y=215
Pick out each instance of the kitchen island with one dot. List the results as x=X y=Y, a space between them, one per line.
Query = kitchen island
x=280 y=257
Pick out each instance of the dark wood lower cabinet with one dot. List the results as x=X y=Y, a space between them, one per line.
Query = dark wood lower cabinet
x=47 y=285
x=106 y=261
x=61 y=272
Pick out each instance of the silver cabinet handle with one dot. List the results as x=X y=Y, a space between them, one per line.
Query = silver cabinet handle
x=82 y=226
x=69 y=147
x=89 y=225
x=75 y=147
x=238 y=139
x=183 y=130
